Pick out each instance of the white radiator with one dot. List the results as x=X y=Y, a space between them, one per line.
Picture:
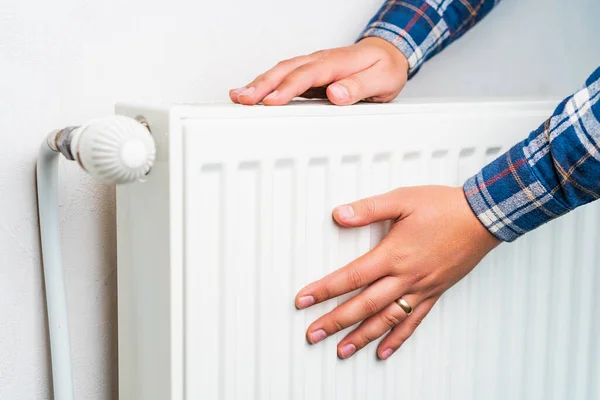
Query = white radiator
x=235 y=218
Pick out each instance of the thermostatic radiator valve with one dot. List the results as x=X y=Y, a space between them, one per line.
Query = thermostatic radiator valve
x=114 y=150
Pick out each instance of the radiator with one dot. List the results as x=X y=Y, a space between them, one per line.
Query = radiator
x=235 y=218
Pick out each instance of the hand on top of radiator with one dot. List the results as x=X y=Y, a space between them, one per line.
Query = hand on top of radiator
x=372 y=69
x=435 y=240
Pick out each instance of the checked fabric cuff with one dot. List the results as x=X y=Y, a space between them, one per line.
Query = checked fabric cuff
x=509 y=199
x=399 y=38
x=415 y=28
x=422 y=28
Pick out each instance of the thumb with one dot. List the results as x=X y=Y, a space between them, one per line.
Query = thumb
x=371 y=209
x=364 y=84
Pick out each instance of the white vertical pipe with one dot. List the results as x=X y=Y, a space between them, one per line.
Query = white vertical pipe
x=56 y=301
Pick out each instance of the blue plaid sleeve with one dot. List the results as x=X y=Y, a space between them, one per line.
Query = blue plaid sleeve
x=422 y=28
x=555 y=170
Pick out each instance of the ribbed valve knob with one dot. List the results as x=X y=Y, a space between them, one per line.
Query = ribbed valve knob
x=114 y=150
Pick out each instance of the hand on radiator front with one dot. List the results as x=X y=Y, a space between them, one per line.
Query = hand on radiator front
x=372 y=69
x=435 y=240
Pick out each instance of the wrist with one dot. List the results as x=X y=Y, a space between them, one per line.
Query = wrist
x=393 y=52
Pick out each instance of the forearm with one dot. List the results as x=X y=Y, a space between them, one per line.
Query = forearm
x=555 y=170
x=422 y=28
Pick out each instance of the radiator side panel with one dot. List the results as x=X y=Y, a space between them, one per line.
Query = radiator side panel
x=144 y=294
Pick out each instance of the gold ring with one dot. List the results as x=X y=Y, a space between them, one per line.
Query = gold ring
x=404 y=306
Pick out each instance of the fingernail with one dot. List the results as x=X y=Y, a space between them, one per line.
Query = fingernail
x=239 y=90
x=305 y=301
x=317 y=336
x=345 y=212
x=386 y=354
x=340 y=92
x=247 y=92
x=347 y=350
x=272 y=95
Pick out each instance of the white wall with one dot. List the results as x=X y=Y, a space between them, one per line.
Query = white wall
x=65 y=61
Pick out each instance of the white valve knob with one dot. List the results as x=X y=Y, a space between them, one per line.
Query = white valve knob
x=114 y=150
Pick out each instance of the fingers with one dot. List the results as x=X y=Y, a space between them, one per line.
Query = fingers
x=376 y=326
x=373 y=299
x=300 y=75
x=360 y=272
x=404 y=330
x=317 y=73
x=264 y=84
x=371 y=209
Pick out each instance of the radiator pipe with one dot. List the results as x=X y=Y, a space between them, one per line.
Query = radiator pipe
x=56 y=300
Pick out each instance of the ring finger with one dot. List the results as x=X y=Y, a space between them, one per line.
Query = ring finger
x=400 y=333
x=376 y=326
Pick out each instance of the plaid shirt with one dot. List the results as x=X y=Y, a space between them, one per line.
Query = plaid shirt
x=553 y=171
